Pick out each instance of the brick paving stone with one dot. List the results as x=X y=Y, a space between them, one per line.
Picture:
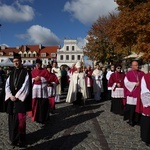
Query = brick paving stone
x=92 y=127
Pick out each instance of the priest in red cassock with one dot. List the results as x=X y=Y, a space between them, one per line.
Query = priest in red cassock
x=53 y=82
x=132 y=83
x=145 y=118
x=40 y=103
x=116 y=82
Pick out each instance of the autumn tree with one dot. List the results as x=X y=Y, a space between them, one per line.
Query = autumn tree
x=132 y=30
x=99 y=46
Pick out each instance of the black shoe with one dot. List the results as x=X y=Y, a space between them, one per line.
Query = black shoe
x=52 y=112
x=21 y=145
x=147 y=144
x=13 y=143
x=131 y=123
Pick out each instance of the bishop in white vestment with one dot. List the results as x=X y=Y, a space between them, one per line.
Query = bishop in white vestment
x=77 y=87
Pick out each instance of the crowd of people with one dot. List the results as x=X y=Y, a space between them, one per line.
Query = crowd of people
x=35 y=91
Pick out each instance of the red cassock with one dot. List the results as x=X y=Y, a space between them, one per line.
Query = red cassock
x=135 y=76
x=116 y=77
x=40 y=108
x=89 y=79
x=53 y=82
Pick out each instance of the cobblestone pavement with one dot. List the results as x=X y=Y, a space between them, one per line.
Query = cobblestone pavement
x=91 y=127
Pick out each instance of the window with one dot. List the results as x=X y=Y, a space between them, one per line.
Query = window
x=11 y=53
x=67 y=57
x=53 y=55
x=72 y=57
x=67 y=48
x=61 y=57
x=43 y=54
x=72 y=48
x=34 y=55
x=25 y=55
x=78 y=57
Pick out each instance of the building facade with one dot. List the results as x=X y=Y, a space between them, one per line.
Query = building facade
x=69 y=54
x=29 y=53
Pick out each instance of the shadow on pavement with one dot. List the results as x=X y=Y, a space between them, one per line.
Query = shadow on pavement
x=65 y=118
x=61 y=143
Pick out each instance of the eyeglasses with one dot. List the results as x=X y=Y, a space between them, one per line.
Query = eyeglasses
x=118 y=68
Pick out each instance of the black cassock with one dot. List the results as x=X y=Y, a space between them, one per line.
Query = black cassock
x=17 y=109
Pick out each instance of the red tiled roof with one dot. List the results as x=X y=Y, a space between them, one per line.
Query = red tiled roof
x=49 y=49
x=8 y=50
x=37 y=48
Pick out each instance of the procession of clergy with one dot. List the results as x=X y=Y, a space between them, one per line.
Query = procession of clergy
x=35 y=92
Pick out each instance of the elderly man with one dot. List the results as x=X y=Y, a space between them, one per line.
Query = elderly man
x=132 y=83
x=18 y=101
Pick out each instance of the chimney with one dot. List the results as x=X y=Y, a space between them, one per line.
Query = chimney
x=40 y=46
x=17 y=47
x=24 y=47
x=3 y=47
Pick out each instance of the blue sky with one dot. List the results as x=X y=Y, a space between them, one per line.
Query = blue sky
x=49 y=22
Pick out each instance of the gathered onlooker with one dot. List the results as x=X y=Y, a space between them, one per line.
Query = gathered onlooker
x=63 y=78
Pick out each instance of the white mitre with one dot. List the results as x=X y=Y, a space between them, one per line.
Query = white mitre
x=78 y=64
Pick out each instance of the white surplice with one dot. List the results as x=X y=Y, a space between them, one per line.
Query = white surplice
x=145 y=94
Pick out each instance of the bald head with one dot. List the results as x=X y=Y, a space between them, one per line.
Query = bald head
x=135 y=65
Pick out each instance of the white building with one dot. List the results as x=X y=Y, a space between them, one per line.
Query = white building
x=69 y=54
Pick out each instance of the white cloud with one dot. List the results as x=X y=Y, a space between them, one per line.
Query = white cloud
x=81 y=42
x=88 y=11
x=40 y=35
x=16 y=12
